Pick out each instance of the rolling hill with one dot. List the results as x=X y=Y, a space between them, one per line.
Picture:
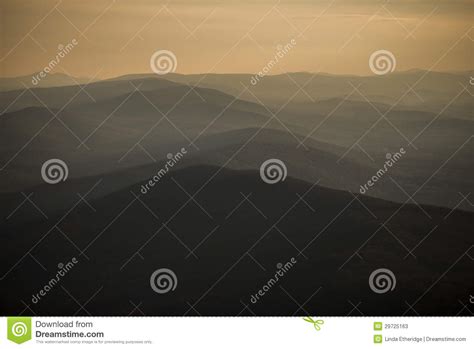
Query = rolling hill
x=225 y=246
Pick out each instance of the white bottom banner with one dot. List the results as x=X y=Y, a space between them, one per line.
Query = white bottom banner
x=238 y=332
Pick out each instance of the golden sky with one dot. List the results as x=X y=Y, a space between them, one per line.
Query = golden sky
x=209 y=36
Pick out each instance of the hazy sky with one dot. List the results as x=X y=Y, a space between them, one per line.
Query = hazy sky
x=119 y=37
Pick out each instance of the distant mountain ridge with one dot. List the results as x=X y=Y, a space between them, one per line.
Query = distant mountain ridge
x=213 y=218
x=32 y=81
x=111 y=116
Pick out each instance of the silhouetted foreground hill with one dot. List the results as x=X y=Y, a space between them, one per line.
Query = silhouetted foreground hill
x=224 y=243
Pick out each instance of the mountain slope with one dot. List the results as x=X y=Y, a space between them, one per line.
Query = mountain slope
x=121 y=241
x=431 y=92
x=94 y=137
